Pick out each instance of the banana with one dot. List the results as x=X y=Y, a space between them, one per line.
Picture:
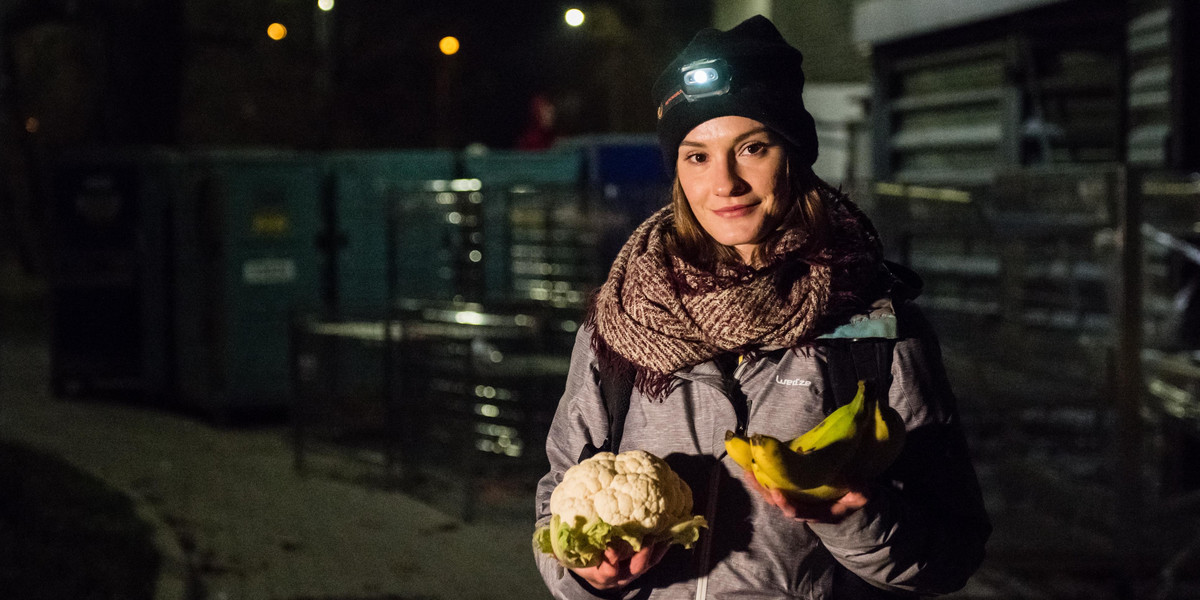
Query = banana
x=841 y=424
x=738 y=449
x=813 y=476
x=880 y=449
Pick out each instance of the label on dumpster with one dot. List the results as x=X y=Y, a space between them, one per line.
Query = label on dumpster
x=268 y=271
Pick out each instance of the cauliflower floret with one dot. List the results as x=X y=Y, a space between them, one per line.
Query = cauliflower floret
x=633 y=496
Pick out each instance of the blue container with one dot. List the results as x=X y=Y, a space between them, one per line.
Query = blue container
x=627 y=181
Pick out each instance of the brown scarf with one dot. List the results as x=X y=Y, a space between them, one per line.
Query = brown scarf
x=657 y=313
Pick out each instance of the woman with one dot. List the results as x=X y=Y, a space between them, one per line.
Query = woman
x=723 y=305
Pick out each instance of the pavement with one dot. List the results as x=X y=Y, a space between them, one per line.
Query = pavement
x=235 y=520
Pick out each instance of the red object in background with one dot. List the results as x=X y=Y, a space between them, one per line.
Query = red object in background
x=539 y=132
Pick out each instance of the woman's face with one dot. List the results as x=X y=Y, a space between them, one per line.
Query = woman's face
x=729 y=169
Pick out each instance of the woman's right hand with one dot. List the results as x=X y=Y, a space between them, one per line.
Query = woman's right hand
x=621 y=565
x=810 y=512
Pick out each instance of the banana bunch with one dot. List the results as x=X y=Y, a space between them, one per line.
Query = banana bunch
x=854 y=443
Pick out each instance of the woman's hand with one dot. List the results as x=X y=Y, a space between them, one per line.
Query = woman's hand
x=810 y=512
x=621 y=565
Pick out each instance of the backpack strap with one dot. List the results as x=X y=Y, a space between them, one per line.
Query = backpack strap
x=615 y=389
x=851 y=360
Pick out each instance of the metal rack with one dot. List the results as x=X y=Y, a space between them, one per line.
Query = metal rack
x=952 y=107
x=1163 y=84
x=1171 y=355
x=461 y=393
x=552 y=246
x=435 y=240
x=481 y=384
x=1065 y=301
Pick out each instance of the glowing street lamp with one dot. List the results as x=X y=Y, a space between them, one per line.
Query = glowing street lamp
x=325 y=5
x=448 y=45
x=276 y=31
x=574 y=17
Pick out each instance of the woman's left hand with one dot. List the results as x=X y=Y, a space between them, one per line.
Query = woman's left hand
x=810 y=512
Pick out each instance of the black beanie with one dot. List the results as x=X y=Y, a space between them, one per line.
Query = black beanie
x=766 y=82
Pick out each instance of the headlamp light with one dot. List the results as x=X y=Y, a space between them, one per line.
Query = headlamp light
x=704 y=78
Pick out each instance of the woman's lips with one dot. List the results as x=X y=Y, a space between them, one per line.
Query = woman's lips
x=735 y=211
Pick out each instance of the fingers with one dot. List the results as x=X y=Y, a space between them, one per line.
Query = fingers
x=854 y=500
x=752 y=481
x=617 y=551
x=602 y=574
x=647 y=557
x=621 y=565
x=809 y=512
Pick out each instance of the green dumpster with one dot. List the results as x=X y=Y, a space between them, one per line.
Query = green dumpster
x=245 y=258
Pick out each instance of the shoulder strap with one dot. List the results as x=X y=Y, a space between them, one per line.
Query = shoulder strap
x=615 y=390
x=851 y=360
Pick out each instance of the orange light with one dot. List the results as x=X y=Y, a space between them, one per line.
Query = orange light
x=448 y=45
x=276 y=31
x=32 y=124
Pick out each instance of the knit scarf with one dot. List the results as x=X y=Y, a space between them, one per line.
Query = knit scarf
x=657 y=313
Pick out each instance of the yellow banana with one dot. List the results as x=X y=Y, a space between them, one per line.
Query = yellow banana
x=843 y=423
x=811 y=476
x=738 y=449
x=880 y=449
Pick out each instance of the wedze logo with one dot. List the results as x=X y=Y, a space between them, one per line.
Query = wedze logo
x=801 y=382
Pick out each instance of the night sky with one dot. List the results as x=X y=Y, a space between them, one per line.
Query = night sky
x=366 y=74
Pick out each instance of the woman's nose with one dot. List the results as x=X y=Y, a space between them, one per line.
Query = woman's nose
x=726 y=180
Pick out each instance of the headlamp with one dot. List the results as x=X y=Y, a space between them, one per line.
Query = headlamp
x=704 y=78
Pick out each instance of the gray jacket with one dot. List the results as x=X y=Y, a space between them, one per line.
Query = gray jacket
x=923 y=531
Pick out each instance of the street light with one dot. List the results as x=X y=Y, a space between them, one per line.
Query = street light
x=574 y=17
x=448 y=45
x=276 y=31
x=325 y=5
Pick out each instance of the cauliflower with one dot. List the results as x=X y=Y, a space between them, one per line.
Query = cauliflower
x=633 y=496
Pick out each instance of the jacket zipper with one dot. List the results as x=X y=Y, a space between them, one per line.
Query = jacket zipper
x=714 y=483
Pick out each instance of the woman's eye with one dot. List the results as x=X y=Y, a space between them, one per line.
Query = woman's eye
x=755 y=148
x=697 y=158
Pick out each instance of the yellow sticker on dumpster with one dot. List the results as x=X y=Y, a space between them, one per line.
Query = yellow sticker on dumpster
x=270 y=222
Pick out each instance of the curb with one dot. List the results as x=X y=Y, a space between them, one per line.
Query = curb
x=172 y=582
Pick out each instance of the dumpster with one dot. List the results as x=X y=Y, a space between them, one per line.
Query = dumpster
x=108 y=278
x=245 y=258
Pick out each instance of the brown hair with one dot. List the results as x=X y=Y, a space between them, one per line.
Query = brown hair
x=802 y=197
